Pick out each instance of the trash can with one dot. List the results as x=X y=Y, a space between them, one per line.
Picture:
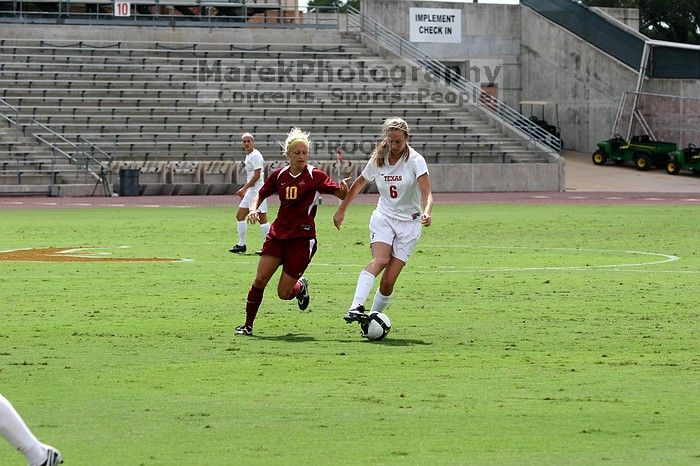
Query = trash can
x=129 y=182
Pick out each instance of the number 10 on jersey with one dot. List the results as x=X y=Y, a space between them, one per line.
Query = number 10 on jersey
x=290 y=192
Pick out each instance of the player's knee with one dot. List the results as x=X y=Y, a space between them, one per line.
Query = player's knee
x=381 y=262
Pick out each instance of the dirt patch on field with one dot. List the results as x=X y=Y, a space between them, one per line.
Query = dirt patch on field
x=72 y=255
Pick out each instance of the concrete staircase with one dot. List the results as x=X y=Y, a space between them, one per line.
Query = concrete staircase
x=28 y=167
x=142 y=102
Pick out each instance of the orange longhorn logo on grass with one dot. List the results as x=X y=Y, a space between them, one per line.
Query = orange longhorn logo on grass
x=86 y=254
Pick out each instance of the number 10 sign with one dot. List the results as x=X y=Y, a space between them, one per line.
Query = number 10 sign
x=122 y=8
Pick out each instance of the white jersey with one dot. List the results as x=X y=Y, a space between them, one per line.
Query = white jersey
x=253 y=161
x=399 y=192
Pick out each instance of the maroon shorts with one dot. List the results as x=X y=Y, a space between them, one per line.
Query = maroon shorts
x=296 y=253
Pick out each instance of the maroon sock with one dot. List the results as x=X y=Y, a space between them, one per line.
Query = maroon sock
x=296 y=290
x=255 y=296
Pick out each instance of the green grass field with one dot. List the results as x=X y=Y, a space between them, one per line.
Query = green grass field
x=522 y=334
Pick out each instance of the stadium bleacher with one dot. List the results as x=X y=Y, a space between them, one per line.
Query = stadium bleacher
x=164 y=101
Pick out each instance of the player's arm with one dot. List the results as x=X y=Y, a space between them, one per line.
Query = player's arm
x=357 y=186
x=426 y=198
x=342 y=190
x=327 y=186
x=253 y=216
x=269 y=187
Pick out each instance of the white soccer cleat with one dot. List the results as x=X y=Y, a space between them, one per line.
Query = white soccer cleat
x=53 y=456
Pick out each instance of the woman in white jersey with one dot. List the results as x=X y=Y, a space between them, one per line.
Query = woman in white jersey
x=249 y=192
x=405 y=203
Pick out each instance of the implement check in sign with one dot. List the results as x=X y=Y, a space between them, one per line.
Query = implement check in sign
x=436 y=25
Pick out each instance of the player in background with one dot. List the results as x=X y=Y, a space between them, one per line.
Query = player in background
x=291 y=242
x=405 y=203
x=249 y=191
x=15 y=431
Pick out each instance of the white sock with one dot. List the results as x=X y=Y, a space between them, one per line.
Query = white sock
x=264 y=228
x=365 y=282
x=15 y=431
x=242 y=230
x=380 y=302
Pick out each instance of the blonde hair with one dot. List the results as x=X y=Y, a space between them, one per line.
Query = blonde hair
x=296 y=135
x=390 y=124
x=247 y=135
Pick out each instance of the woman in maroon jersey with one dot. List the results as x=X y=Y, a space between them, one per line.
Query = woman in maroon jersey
x=291 y=241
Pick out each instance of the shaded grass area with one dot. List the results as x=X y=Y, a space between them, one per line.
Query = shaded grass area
x=522 y=335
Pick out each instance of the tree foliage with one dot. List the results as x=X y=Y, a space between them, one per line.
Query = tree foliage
x=672 y=20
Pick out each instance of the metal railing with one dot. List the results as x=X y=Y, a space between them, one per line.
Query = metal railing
x=173 y=13
x=470 y=92
x=82 y=156
x=86 y=157
x=14 y=111
x=88 y=151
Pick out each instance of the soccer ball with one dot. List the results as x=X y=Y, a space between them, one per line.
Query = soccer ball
x=376 y=326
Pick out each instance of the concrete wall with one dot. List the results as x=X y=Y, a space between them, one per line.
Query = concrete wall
x=330 y=18
x=247 y=35
x=489 y=32
x=586 y=83
x=541 y=62
x=497 y=177
x=681 y=87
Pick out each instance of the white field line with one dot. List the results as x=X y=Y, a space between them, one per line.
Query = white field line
x=664 y=258
x=85 y=252
x=18 y=249
x=627 y=267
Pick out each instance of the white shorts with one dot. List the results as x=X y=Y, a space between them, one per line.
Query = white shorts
x=402 y=235
x=249 y=197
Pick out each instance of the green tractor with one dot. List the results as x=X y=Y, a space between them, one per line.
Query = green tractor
x=641 y=151
x=686 y=159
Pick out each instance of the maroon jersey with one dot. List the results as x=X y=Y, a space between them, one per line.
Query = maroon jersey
x=298 y=200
